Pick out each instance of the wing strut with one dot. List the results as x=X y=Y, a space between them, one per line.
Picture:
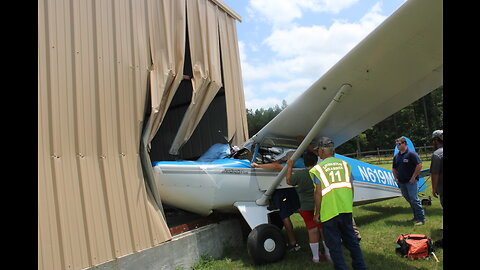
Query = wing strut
x=310 y=136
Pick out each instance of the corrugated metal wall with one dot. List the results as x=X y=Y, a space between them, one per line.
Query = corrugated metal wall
x=93 y=203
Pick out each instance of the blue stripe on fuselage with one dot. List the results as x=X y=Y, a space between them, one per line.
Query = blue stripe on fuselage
x=365 y=172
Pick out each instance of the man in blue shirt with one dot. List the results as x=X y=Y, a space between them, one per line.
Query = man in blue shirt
x=406 y=167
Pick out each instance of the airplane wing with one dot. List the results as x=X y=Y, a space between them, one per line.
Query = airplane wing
x=396 y=64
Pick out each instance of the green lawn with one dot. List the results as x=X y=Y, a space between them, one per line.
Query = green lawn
x=379 y=223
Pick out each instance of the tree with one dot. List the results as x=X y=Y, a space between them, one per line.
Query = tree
x=260 y=117
x=416 y=121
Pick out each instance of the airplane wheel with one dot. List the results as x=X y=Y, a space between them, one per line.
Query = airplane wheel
x=266 y=244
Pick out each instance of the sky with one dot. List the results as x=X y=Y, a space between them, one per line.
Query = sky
x=286 y=45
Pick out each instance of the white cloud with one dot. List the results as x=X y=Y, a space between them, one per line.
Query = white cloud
x=301 y=54
x=283 y=12
x=241 y=49
x=318 y=40
x=257 y=103
x=276 y=92
x=285 y=86
x=335 y=6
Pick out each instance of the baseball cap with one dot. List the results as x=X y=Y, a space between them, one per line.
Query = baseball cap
x=324 y=142
x=438 y=134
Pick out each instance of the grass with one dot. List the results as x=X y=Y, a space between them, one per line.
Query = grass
x=379 y=223
x=387 y=159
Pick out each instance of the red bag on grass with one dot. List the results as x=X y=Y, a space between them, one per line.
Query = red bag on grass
x=414 y=245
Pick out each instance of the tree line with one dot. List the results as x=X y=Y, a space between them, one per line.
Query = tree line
x=416 y=121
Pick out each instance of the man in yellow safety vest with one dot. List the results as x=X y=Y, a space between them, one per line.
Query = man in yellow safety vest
x=334 y=205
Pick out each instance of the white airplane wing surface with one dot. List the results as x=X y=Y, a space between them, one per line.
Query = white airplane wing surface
x=396 y=64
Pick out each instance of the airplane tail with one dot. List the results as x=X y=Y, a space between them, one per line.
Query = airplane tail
x=422 y=186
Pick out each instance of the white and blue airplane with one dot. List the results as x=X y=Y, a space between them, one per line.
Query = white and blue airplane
x=396 y=64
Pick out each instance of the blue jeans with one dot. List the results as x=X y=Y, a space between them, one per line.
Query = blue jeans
x=340 y=229
x=410 y=193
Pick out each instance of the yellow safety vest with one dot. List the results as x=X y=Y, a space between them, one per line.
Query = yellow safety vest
x=337 y=195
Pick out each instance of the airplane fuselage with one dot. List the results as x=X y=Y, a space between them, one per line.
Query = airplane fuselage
x=201 y=187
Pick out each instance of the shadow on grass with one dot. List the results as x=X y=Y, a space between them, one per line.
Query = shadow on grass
x=301 y=260
x=436 y=234
x=379 y=261
x=383 y=212
x=375 y=258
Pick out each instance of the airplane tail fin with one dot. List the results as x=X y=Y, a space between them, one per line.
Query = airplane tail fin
x=422 y=186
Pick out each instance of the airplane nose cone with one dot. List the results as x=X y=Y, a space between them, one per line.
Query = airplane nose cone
x=192 y=190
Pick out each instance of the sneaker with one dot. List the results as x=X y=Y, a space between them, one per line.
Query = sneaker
x=315 y=261
x=293 y=247
x=326 y=257
x=418 y=223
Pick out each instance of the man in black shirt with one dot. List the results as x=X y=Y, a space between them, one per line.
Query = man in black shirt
x=406 y=167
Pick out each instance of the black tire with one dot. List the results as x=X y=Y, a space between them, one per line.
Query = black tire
x=266 y=244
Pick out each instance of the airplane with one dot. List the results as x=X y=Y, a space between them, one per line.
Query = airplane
x=396 y=64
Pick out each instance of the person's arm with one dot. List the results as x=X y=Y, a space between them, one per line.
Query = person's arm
x=318 y=198
x=435 y=173
x=351 y=177
x=289 y=171
x=395 y=175
x=394 y=170
x=434 y=184
x=418 y=168
x=274 y=166
x=318 y=202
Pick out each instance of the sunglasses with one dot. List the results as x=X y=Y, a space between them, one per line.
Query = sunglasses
x=397 y=144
